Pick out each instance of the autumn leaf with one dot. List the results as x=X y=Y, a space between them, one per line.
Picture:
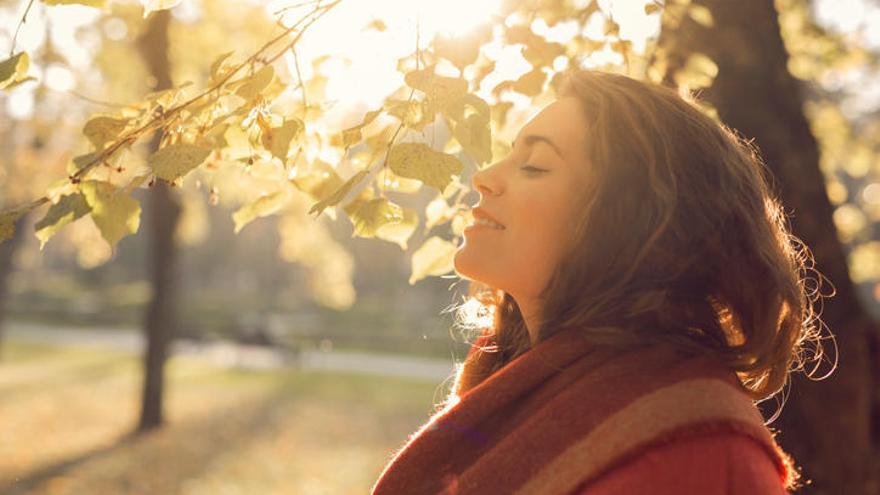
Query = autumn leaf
x=340 y=193
x=218 y=65
x=88 y=3
x=475 y=136
x=13 y=71
x=531 y=83
x=698 y=72
x=320 y=182
x=177 y=160
x=277 y=139
x=264 y=206
x=418 y=161
x=368 y=215
x=115 y=213
x=255 y=84
x=400 y=232
x=7 y=222
x=434 y=257
x=353 y=135
x=153 y=5
x=462 y=50
x=102 y=129
x=68 y=208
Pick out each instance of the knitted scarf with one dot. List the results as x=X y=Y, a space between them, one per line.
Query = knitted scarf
x=563 y=413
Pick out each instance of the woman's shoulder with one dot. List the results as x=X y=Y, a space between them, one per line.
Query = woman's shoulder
x=710 y=463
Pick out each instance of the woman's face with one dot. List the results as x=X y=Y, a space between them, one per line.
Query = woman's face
x=532 y=193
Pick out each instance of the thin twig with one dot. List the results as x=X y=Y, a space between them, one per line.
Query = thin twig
x=22 y=21
x=302 y=84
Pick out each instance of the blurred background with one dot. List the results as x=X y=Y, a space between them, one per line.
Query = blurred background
x=296 y=357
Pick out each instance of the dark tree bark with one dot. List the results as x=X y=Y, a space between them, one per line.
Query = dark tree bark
x=7 y=256
x=164 y=212
x=828 y=426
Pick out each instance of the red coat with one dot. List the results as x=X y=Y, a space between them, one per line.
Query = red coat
x=724 y=463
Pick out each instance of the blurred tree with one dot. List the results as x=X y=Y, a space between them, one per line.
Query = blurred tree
x=830 y=427
x=160 y=318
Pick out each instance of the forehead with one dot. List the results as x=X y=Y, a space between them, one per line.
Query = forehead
x=564 y=123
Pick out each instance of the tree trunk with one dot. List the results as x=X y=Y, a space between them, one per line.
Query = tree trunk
x=826 y=425
x=164 y=209
x=7 y=256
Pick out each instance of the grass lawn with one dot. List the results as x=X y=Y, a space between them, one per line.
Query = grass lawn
x=66 y=414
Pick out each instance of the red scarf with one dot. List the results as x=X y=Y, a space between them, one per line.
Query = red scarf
x=565 y=412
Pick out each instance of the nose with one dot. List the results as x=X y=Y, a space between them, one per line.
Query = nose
x=486 y=182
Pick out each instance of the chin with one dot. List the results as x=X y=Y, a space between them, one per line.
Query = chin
x=466 y=266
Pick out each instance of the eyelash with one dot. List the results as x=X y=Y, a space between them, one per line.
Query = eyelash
x=531 y=169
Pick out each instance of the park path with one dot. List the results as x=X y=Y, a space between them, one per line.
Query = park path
x=229 y=354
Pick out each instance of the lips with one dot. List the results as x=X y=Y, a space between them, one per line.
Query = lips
x=479 y=212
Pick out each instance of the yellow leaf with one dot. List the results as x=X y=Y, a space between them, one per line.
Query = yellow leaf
x=7 y=222
x=367 y=215
x=115 y=213
x=177 y=160
x=102 y=129
x=400 y=232
x=475 y=136
x=418 y=161
x=153 y=5
x=701 y=15
x=69 y=208
x=88 y=3
x=531 y=83
x=13 y=70
x=462 y=50
x=698 y=72
x=218 y=65
x=320 y=182
x=352 y=135
x=340 y=193
x=253 y=85
x=441 y=91
x=277 y=139
x=262 y=207
x=434 y=257
x=652 y=8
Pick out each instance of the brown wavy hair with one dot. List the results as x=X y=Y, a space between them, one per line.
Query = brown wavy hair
x=693 y=248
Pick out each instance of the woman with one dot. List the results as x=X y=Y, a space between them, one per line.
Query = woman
x=644 y=293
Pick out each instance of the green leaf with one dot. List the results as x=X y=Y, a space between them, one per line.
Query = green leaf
x=277 y=139
x=434 y=257
x=88 y=3
x=418 y=161
x=253 y=85
x=177 y=160
x=475 y=136
x=114 y=212
x=340 y=193
x=102 y=129
x=262 y=207
x=69 y=208
x=13 y=70
x=400 y=232
x=368 y=215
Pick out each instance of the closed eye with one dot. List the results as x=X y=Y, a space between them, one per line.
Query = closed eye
x=532 y=169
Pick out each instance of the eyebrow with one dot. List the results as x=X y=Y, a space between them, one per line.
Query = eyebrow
x=531 y=139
